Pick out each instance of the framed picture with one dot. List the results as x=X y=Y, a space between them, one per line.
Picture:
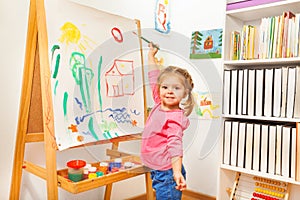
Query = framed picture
x=206 y=44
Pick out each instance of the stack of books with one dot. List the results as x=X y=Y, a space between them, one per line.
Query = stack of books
x=278 y=37
x=268 y=92
x=266 y=148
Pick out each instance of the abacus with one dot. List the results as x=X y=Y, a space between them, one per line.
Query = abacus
x=249 y=187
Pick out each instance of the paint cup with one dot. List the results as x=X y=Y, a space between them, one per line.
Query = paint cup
x=86 y=171
x=103 y=167
x=75 y=170
x=118 y=162
x=92 y=172
x=128 y=165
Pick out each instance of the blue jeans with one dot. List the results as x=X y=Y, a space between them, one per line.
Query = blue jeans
x=164 y=185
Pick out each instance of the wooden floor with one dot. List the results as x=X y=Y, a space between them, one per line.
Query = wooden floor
x=187 y=195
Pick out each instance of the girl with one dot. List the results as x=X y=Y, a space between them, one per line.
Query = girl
x=162 y=148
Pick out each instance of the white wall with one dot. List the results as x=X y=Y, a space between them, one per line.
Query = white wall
x=13 y=16
x=186 y=17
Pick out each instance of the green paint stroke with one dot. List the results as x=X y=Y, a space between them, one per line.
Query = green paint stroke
x=109 y=135
x=91 y=128
x=105 y=136
x=99 y=83
x=83 y=77
x=55 y=72
x=55 y=47
x=55 y=86
x=65 y=102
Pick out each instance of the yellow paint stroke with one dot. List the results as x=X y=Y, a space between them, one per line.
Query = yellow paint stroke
x=71 y=34
x=203 y=99
x=210 y=114
x=81 y=47
x=213 y=107
x=87 y=41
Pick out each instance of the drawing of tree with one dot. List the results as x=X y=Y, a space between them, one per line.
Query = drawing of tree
x=196 y=41
x=220 y=38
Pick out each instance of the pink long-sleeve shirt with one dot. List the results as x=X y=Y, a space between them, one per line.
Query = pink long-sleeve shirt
x=163 y=132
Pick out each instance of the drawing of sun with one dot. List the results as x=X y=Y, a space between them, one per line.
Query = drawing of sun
x=72 y=36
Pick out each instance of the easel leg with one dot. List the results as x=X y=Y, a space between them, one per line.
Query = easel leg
x=15 y=185
x=149 y=190
x=25 y=103
x=52 y=187
x=108 y=190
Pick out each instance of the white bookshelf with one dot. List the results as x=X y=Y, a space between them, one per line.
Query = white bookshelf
x=235 y=20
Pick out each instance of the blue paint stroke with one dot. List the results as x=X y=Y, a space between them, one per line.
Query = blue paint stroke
x=119 y=115
x=135 y=112
x=79 y=103
x=86 y=133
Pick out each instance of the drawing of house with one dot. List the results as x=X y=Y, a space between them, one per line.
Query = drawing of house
x=120 y=79
x=208 y=43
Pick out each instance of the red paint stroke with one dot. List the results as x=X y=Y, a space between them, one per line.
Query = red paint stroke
x=122 y=70
x=118 y=38
x=162 y=22
x=161 y=8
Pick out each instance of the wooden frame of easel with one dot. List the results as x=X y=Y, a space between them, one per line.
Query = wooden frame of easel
x=36 y=123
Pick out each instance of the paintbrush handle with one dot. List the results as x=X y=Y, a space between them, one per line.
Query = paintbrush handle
x=146 y=40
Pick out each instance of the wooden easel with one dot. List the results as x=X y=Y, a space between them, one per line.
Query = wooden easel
x=36 y=124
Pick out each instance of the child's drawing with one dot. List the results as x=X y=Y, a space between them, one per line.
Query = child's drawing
x=162 y=17
x=206 y=44
x=94 y=88
x=120 y=79
x=207 y=107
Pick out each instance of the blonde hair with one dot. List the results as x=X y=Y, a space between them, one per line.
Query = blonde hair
x=188 y=105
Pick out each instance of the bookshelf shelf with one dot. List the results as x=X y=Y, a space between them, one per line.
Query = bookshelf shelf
x=261 y=118
x=260 y=62
x=252 y=122
x=260 y=174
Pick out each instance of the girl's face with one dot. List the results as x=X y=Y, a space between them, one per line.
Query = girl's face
x=171 y=92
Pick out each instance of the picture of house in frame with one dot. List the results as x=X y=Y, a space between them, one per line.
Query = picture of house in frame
x=120 y=79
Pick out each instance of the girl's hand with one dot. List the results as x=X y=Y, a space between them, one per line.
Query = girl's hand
x=151 y=56
x=153 y=49
x=180 y=181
